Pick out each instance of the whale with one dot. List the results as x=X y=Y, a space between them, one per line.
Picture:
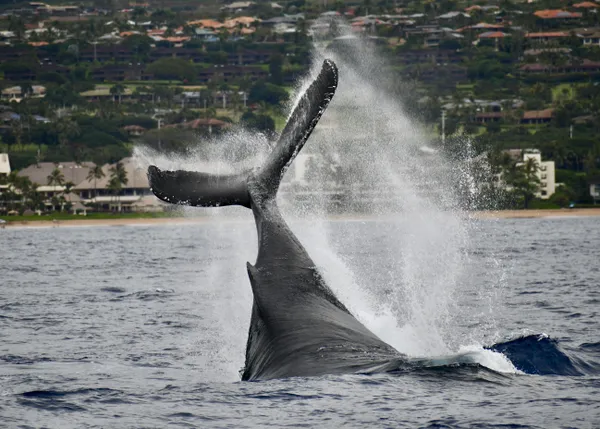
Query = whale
x=298 y=327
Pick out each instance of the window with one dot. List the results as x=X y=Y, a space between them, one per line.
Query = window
x=543 y=168
x=544 y=193
x=544 y=176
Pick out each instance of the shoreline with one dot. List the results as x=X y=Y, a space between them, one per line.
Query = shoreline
x=482 y=215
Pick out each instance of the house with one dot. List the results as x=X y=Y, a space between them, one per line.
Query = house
x=454 y=15
x=493 y=35
x=487 y=117
x=586 y=5
x=590 y=38
x=545 y=172
x=103 y=93
x=96 y=191
x=546 y=37
x=537 y=116
x=134 y=130
x=244 y=21
x=205 y=23
x=482 y=26
x=15 y=93
x=558 y=15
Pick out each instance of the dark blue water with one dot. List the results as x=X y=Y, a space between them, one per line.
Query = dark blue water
x=145 y=326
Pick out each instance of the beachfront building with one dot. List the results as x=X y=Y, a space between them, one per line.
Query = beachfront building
x=545 y=172
x=70 y=185
x=56 y=180
x=134 y=195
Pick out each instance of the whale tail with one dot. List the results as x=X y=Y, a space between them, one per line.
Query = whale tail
x=213 y=190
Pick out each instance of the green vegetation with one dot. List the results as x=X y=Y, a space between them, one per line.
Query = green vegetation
x=111 y=82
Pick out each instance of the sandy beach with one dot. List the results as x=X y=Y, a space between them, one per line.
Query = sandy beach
x=502 y=214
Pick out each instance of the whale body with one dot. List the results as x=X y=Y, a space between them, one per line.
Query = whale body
x=298 y=327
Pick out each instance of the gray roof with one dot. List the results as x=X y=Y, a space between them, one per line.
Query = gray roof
x=136 y=177
x=72 y=171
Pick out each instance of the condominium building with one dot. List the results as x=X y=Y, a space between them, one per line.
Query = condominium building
x=545 y=172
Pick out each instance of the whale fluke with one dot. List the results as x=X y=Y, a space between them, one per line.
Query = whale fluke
x=199 y=189
x=211 y=190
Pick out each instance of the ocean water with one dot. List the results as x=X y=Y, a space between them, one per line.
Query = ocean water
x=145 y=326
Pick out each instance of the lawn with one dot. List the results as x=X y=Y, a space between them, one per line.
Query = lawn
x=68 y=216
x=562 y=90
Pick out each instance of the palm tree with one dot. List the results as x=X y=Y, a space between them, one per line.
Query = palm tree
x=118 y=178
x=56 y=177
x=117 y=90
x=95 y=174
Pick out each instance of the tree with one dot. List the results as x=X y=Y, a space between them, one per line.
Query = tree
x=66 y=129
x=96 y=173
x=56 y=177
x=276 y=69
x=269 y=93
x=118 y=178
x=525 y=181
x=262 y=123
x=140 y=45
x=172 y=68
x=117 y=90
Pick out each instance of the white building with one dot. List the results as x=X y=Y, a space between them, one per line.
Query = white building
x=4 y=164
x=545 y=173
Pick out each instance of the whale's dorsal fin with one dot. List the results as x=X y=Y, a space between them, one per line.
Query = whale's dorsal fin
x=211 y=190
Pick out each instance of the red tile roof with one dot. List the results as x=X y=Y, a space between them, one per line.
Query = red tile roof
x=556 y=14
x=586 y=5
x=550 y=34
x=210 y=23
x=493 y=35
x=538 y=114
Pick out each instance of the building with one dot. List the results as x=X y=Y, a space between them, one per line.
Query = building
x=547 y=37
x=558 y=15
x=72 y=173
x=537 y=116
x=4 y=164
x=545 y=172
x=96 y=192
